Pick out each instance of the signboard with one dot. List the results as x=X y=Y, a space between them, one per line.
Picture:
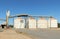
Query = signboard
x=8 y=13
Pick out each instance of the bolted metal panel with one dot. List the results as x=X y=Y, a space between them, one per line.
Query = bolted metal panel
x=32 y=22
x=52 y=22
x=42 y=23
x=19 y=23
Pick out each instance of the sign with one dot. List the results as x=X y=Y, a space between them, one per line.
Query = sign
x=8 y=13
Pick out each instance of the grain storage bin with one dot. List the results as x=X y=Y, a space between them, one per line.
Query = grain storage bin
x=42 y=23
x=19 y=23
x=31 y=22
x=52 y=23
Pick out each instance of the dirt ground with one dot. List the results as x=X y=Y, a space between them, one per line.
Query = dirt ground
x=11 y=34
x=42 y=33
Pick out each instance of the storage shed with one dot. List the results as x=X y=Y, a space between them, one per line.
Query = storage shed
x=52 y=23
x=31 y=22
x=19 y=23
x=42 y=23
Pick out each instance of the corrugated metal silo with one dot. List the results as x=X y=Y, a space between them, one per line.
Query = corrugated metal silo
x=19 y=23
x=31 y=22
x=52 y=23
x=42 y=23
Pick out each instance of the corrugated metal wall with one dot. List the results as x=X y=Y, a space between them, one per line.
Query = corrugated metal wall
x=19 y=23
x=42 y=23
x=31 y=22
x=52 y=23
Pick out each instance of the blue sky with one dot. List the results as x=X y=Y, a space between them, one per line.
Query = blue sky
x=31 y=7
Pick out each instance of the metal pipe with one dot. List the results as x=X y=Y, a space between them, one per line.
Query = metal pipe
x=6 y=21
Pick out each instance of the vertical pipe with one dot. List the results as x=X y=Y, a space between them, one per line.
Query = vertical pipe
x=50 y=22
x=13 y=22
x=26 y=26
x=7 y=17
x=36 y=23
x=25 y=22
x=47 y=22
x=6 y=21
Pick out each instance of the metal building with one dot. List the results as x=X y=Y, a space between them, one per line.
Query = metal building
x=19 y=23
x=52 y=23
x=31 y=22
x=42 y=23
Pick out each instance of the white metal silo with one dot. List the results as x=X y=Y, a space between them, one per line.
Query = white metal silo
x=31 y=22
x=16 y=23
x=42 y=23
x=52 y=23
x=19 y=23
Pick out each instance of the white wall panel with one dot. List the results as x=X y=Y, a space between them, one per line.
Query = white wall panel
x=32 y=23
x=52 y=23
x=42 y=23
x=19 y=23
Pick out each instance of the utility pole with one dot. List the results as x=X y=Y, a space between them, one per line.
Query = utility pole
x=7 y=17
